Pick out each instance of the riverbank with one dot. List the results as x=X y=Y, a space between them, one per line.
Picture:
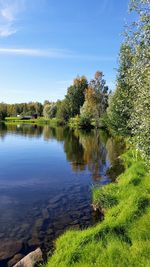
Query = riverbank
x=73 y=123
x=38 y=121
x=122 y=238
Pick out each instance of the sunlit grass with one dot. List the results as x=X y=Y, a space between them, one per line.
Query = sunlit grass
x=123 y=238
x=38 y=121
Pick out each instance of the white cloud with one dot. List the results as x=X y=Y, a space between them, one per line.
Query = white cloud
x=52 y=53
x=9 y=11
x=7 y=30
x=49 y=53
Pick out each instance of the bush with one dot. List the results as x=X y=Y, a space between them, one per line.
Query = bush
x=74 y=122
x=85 y=122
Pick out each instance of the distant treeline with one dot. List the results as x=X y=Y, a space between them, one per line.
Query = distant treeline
x=7 y=110
x=87 y=99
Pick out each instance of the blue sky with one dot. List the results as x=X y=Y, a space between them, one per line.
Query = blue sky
x=44 y=44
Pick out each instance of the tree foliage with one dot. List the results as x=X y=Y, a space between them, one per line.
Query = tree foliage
x=98 y=84
x=49 y=110
x=76 y=95
x=121 y=101
x=96 y=99
x=3 y=111
x=129 y=109
x=89 y=109
x=63 y=111
x=30 y=108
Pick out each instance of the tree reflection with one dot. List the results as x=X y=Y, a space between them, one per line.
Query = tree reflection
x=83 y=149
x=74 y=151
x=114 y=149
x=3 y=130
x=21 y=129
x=94 y=155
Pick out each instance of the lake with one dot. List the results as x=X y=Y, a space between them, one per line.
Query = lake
x=46 y=180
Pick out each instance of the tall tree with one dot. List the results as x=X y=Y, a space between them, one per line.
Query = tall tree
x=130 y=104
x=89 y=109
x=49 y=110
x=121 y=101
x=3 y=111
x=101 y=92
x=140 y=40
x=76 y=95
x=63 y=111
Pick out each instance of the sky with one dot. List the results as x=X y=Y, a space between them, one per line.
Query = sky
x=45 y=44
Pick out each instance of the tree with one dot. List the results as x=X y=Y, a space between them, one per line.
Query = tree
x=121 y=101
x=96 y=100
x=63 y=111
x=129 y=107
x=12 y=110
x=89 y=110
x=101 y=92
x=46 y=111
x=140 y=40
x=50 y=110
x=76 y=95
x=38 y=108
x=3 y=111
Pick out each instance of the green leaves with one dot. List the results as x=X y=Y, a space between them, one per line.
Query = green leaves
x=129 y=106
x=76 y=95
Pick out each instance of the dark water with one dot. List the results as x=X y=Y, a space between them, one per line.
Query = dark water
x=46 y=176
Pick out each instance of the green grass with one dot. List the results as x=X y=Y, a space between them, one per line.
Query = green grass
x=122 y=239
x=38 y=121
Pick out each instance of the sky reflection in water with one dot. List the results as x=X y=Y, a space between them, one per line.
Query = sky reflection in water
x=46 y=175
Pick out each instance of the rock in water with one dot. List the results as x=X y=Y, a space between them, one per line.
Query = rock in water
x=31 y=259
x=15 y=259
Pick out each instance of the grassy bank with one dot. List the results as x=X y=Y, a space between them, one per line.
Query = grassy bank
x=123 y=238
x=73 y=123
x=38 y=121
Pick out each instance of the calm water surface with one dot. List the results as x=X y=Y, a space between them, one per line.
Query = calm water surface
x=46 y=176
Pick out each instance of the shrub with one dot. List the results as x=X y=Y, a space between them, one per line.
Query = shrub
x=85 y=122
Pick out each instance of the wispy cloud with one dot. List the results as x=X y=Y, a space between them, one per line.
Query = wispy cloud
x=49 y=53
x=53 y=53
x=9 y=11
x=7 y=30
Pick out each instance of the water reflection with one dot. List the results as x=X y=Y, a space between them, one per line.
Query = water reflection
x=45 y=183
x=24 y=130
x=83 y=149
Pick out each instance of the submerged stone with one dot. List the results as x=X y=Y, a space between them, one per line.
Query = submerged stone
x=31 y=259
x=15 y=259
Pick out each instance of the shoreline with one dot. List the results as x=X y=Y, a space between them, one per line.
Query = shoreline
x=119 y=230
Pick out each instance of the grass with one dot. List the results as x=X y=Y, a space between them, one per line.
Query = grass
x=122 y=239
x=38 y=121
